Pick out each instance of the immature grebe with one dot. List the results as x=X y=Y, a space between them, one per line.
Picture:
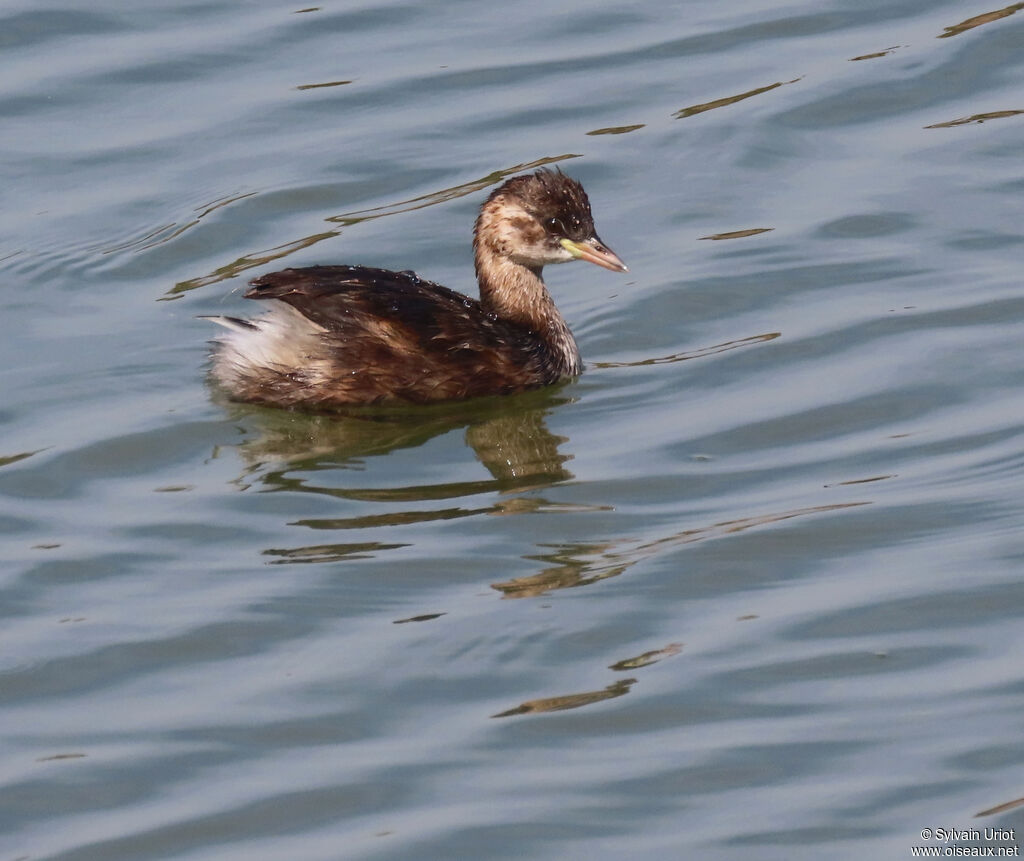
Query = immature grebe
x=341 y=335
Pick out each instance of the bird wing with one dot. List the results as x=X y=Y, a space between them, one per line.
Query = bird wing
x=414 y=338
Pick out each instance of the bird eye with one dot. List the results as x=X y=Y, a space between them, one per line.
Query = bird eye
x=554 y=225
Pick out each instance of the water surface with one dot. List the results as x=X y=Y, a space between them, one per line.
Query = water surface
x=750 y=586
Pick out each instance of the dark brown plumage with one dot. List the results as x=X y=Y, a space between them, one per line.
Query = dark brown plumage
x=342 y=335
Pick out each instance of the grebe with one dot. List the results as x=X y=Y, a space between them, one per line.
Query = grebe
x=344 y=335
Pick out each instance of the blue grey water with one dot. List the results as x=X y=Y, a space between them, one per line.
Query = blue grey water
x=751 y=587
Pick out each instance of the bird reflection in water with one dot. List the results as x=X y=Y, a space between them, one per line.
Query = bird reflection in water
x=509 y=436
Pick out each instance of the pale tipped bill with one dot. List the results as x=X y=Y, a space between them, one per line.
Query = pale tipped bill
x=593 y=250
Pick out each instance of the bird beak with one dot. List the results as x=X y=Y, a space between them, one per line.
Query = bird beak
x=593 y=250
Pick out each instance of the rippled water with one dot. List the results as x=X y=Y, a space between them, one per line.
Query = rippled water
x=749 y=588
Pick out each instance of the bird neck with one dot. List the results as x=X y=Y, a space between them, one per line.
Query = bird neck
x=517 y=293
